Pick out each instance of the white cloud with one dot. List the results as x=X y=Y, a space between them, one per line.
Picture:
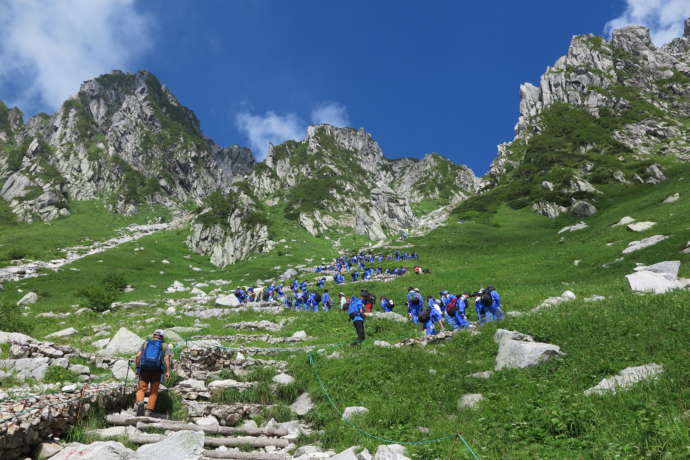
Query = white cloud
x=261 y=130
x=331 y=113
x=47 y=47
x=269 y=128
x=665 y=18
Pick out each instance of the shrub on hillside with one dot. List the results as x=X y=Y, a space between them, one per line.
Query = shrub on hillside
x=11 y=319
x=99 y=297
x=57 y=374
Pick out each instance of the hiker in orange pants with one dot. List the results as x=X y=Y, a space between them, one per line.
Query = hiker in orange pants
x=151 y=362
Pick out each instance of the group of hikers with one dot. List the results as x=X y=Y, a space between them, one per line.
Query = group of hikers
x=434 y=314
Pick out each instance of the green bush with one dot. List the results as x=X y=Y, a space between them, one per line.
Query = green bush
x=99 y=297
x=11 y=319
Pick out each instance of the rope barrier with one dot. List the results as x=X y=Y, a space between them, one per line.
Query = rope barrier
x=329 y=398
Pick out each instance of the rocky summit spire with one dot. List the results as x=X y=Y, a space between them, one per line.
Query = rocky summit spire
x=633 y=39
x=687 y=29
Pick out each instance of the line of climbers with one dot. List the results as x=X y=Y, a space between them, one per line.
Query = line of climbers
x=434 y=313
x=347 y=262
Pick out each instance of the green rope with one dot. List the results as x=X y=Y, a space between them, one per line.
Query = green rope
x=324 y=390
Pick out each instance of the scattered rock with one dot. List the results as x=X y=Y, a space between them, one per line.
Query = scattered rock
x=548 y=209
x=228 y=301
x=482 y=375
x=574 y=228
x=624 y=221
x=101 y=450
x=300 y=335
x=382 y=344
x=626 y=378
x=354 y=410
x=100 y=343
x=122 y=371
x=391 y=452
x=582 y=208
x=672 y=198
x=63 y=333
x=182 y=445
x=209 y=420
x=517 y=350
x=79 y=369
x=283 y=379
x=641 y=226
x=595 y=298
x=348 y=454
x=658 y=278
x=390 y=315
x=288 y=274
x=302 y=405
x=47 y=450
x=470 y=400
x=28 y=299
x=645 y=243
x=123 y=342
x=567 y=296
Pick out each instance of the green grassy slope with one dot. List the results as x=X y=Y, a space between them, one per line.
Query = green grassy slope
x=89 y=220
x=532 y=413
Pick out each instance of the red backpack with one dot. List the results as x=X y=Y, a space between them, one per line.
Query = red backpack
x=452 y=306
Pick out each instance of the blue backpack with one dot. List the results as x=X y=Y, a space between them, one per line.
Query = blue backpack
x=152 y=357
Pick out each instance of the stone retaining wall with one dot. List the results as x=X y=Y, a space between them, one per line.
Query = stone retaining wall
x=25 y=423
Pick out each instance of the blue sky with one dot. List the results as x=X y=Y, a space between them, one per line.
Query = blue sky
x=435 y=76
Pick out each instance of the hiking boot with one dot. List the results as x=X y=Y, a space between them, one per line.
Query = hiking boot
x=148 y=412
x=139 y=408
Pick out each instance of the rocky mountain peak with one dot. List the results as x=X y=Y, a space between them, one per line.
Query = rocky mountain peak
x=633 y=39
x=326 y=137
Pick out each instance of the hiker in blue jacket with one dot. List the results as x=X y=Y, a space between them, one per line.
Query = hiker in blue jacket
x=356 y=313
x=304 y=286
x=311 y=302
x=460 y=314
x=299 y=300
x=435 y=317
x=321 y=283
x=294 y=285
x=414 y=304
x=448 y=299
x=495 y=308
x=355 y=275
x=326 y=299
x=386 y=304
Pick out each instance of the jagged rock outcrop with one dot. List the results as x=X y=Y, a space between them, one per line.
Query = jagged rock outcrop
x=122 y=135
x=337 y=181
x=623 y=99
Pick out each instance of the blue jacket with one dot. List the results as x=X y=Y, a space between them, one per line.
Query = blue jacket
x=356 y=306
x=325 y=298
x=497 y=299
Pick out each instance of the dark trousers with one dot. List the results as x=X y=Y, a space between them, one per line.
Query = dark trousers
x=359 y=327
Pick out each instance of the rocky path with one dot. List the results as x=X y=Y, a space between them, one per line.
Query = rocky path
x=128 y=234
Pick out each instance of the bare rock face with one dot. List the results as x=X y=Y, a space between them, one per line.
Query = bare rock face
x=627 y=79
x=226 y=244
x=122 y=134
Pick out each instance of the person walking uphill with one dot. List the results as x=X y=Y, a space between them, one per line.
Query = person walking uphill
x=151 y=361
x=356 y=313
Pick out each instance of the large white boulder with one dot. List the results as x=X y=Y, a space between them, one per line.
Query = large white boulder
x=228 y=301
x=667 y=268
x=28 y=299
x=390 y=452
x=101 y=450
x=123 y=342
x=626 y=378
x=182 y=445
x=348 y=454
x=517 y=350
x=645 y=243
x=647 y=281
x=15 y=337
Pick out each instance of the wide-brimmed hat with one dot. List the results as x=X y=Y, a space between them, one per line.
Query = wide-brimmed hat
x=159 y=332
